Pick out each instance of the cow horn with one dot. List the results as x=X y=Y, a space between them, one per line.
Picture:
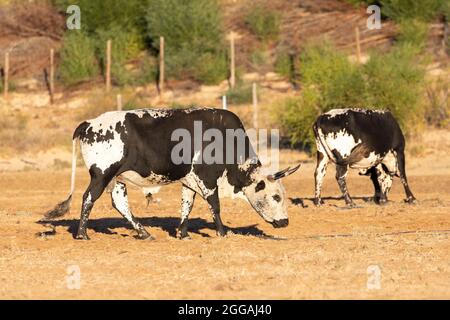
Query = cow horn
x=283 y=173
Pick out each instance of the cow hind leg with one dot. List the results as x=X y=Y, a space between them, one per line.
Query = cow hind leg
x=214 y=206
x=187 y=202
x=119 y=199
x=401 y=168
x=319 y=174
x=93 y=192
x=341 y=174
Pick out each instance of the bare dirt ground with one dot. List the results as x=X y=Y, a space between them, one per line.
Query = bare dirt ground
x=325 y=252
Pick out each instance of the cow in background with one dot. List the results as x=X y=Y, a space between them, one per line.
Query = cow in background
x=368 y=140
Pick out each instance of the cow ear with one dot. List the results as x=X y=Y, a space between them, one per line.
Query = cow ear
x=283 y=173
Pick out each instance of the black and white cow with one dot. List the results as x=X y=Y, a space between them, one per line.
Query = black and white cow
x=135 y=148
x=369 y=140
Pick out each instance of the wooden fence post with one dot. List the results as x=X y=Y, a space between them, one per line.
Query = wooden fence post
x=6 y=76
x=52 y=75
x=119 y=102
x=108 y=65
x=358 y=45
x=161 y=66
x=255 y=106
x=232 y=61
x=224 y=102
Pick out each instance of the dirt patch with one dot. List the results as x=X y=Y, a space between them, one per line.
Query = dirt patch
x=325 y=252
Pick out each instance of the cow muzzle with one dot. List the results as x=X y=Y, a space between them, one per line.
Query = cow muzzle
x=280 y=223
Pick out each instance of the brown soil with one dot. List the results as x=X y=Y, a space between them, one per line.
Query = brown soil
x=324 y=252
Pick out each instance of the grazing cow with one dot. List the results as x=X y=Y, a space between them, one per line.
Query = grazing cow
x=137 y=147
x=369 y=140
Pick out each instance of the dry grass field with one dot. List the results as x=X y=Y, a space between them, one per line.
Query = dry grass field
x=325 y=252
x=395 y=251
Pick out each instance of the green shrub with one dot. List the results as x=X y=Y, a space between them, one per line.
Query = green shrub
x=413 y=32
x=147 y=72
x=393 y=81
x=259 y=57
x=283 y=64
x=398 y=10
x=105 y=14
x=263 y=22
x=240 y=94
x=192 y=30
x=358 y=3
x=77 y=58
x=329 y=72
x=437 y=112
x=296 y=117
x=211 y=68
x=424 y=10
x=124 y=46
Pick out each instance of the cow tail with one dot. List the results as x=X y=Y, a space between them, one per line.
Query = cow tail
x=63 y=207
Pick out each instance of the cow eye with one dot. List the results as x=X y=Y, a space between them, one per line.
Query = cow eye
x=260 y=186
x=277 y=198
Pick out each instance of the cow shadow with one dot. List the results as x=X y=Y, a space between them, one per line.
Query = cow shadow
x=167 y=224
x=301 y=201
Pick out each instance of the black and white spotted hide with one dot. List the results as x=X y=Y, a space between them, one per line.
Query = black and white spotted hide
x=135 y=148
x=368 y=140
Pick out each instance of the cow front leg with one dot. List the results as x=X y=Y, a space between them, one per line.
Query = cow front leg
x=319 y=174
x=341 y=174
x=187 y=202
x=401 y=168
x=214 y=206
x=385 y=181
x=119 y=199
x=376 y=185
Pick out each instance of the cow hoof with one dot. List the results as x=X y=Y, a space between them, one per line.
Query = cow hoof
x=145 y=236
x=221 y=233
x=183 y=235
x=318 y=202
x=411 y=201
x=352 y=205
x=82 y=236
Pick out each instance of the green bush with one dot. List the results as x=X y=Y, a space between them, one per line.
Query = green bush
x=398 y=10
x=283 y=64
x=124 y=46
x=212 y=68
x=393 y=81
x=259 y=57
x=296 y=117
x=105 y=14
x=240 y=94
x=77 y=58
x=192 y=32
x=330 y=74
x=437 y=112
x=413 y=32
x=424 y=10
x=263 y=22
x=147 y=72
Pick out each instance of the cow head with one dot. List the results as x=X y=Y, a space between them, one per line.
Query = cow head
x=267 y=196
